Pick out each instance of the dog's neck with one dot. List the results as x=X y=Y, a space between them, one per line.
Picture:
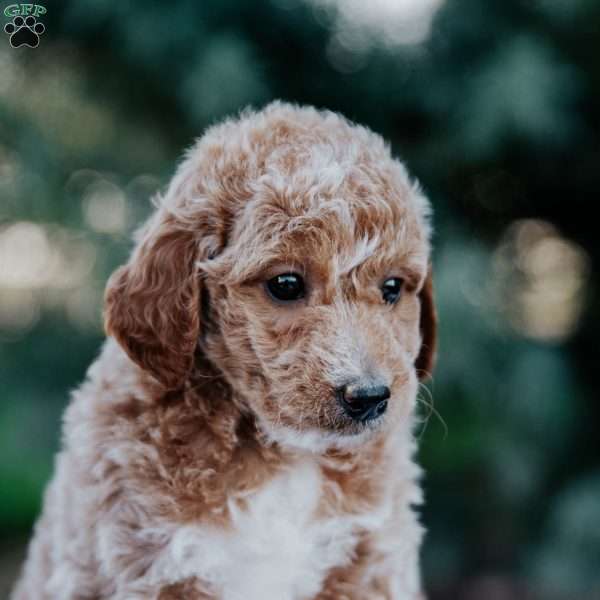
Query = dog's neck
x=210 y=449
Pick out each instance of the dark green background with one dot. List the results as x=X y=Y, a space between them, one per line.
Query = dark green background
x=497 y=114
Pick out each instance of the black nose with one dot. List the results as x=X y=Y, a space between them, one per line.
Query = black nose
x=364 y=402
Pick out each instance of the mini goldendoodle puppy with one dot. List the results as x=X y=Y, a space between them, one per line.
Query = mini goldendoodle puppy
x=246 y=433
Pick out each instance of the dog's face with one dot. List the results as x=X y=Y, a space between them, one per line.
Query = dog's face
x=313 y=297
x=317 y=313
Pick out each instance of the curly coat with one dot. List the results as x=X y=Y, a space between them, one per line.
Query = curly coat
x=206 y=456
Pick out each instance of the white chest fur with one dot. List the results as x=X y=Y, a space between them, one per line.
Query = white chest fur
x=276 y=549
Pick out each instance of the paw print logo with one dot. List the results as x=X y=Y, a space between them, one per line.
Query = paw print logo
x=24 y=32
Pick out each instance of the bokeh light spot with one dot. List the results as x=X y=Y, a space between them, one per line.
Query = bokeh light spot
x=104 y=207
x=540 y=280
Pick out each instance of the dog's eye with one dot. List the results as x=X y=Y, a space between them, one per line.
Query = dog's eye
x=286 y=287
x=391 y=289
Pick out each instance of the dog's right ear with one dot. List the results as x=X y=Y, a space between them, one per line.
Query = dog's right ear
x=152 y=303
x=428 y=328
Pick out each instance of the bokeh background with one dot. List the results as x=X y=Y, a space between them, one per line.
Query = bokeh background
x=494 y=105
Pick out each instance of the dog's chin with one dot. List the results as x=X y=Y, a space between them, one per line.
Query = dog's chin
x=348 y=435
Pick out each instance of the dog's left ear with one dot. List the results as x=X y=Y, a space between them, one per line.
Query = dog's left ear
x=428 y=328
x=152 y=302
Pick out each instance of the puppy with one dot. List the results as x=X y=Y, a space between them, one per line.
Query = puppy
x=246 y=432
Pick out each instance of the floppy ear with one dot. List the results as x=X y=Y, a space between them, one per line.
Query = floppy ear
x=428 y=327
x=152 y=302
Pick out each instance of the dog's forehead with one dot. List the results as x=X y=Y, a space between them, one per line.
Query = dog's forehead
x=300 y=185
x=333 y=230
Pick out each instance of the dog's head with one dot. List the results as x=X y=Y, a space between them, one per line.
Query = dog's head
x=292 y=251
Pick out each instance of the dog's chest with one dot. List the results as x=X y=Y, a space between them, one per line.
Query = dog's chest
x=277 y=548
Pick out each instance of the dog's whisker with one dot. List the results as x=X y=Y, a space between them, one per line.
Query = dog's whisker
x=432 y=411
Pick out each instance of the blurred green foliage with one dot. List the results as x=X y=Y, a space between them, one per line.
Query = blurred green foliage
x=495 y=109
